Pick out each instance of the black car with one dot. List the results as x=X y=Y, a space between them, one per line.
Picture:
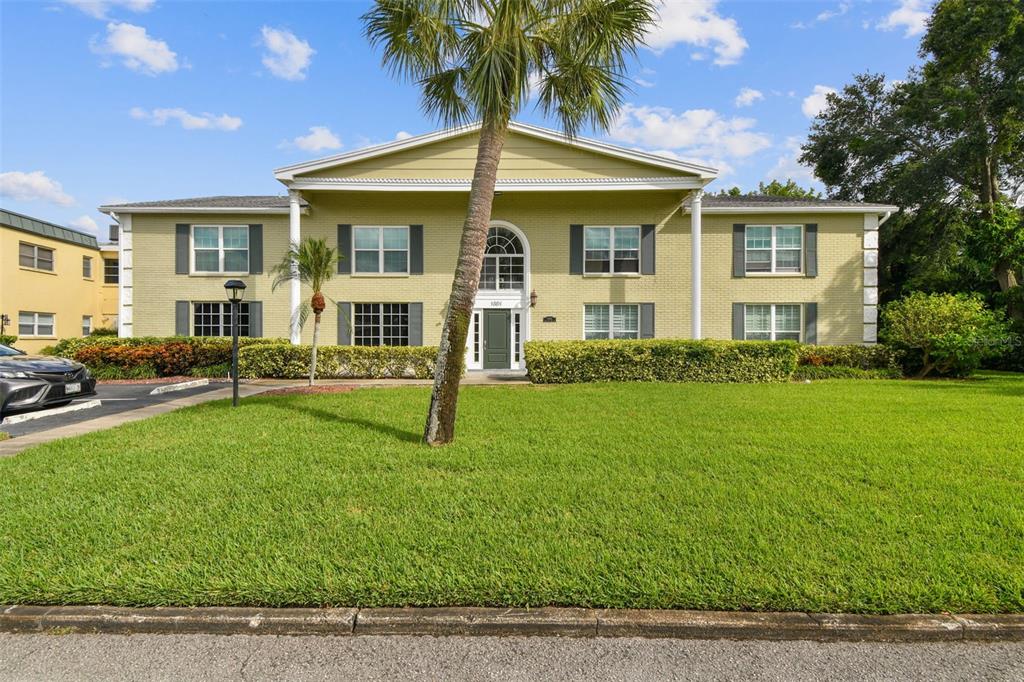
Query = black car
x=31 y=382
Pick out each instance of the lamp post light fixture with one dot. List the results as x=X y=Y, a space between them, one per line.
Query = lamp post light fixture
x=235 y=289
x=4 y=321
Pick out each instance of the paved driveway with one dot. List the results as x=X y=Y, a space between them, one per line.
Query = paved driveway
x=115 y=398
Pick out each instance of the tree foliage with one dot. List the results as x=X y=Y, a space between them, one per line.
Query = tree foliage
x=774 y=189
x=946 y=145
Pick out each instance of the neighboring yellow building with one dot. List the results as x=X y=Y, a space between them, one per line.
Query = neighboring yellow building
x=54 y=282
x=588 y=240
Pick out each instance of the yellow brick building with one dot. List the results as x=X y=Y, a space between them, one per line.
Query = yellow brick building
x=588 y=240
x=54 y=282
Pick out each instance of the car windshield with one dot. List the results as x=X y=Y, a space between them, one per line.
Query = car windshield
x=7 y=350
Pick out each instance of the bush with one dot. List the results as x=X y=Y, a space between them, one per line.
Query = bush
x=8 y=339
x=948 y=334
x=875 y=357
x=567 y=362
x=147 y=357
x=103 y=331
x=821 y=372
x=285 y=361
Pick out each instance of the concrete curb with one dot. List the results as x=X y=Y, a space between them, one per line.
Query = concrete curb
x=181 y=386
x=52 y=412
x=547 y=621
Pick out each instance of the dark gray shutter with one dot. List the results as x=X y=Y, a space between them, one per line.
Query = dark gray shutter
x=255 y=249
x=345 y=247
x=415 y=324
x=415 y=249
x=811 y=249
x=810 y=323
x=255 y=318
x=575 y=249
x=739 y=250
x=646 y=320
x=647 y=249
x=737 y=321
x=181 y=249
x=181 y=310
x=344 y=324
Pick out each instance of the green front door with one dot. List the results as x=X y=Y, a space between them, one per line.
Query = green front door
x=497 y=346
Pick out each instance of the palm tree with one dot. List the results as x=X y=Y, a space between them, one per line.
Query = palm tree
x=481 y=60
x=313 y=263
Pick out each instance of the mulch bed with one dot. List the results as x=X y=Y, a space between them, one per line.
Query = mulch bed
x=293 y=390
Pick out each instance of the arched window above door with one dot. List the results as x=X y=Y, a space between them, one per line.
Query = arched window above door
x=503 y=265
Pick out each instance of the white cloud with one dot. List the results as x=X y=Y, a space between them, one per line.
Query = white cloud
x=911 y=15
x=815 y=102
x=643 y=83
x=402 y=135
x=697 y=23
x=319 y=139
x=204 y=121
x=100 y=8
x=288 y=55
x=748 y=96
x=34 y=186
x=788 y=168
x=85 y=224
x=137 y=49
x=824 y=16
x=695 y=133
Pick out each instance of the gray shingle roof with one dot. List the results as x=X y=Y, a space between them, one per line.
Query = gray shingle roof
x=46 y=229
x=770 y=201
x=251 y=201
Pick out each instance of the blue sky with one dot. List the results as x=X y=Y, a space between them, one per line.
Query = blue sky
x=114 y=100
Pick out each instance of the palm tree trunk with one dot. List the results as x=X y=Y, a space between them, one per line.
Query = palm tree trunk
x=316 y=338
x=451 y=352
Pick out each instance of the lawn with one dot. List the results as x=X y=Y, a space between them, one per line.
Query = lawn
x=865 y=496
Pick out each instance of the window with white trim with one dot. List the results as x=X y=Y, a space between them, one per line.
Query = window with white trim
x=381 y=250
x=611 y=250
x=110 y=271
x=503 y=266
x=86 y=325
x=615 y=321
x=381 y=324
x=36 y=324
x=86 y=267
x=220 y=249
x=32 y=256
x=771 y=322
x=214 y=319
x=774 y=248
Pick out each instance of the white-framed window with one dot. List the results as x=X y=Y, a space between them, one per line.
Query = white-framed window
x=36 y=324
x=614 y=321
x=772 y=322
x=381 y=324
x=774 y=248
x=503 y=267
x=380 y=250
x=110 y=271
x=611 y=250
x=214 y=319
x=33 y=256
x=86 y=325
x=220 y=249
x=87 y=267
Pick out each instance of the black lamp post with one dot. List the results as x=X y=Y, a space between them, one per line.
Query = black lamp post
x=235 y=289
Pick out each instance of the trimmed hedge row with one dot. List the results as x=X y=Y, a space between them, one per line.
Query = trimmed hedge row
x=813 y=373
x=285 y=361
x=567 y=362
x=877 y=357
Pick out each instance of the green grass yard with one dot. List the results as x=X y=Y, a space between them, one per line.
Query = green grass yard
x=865 y=496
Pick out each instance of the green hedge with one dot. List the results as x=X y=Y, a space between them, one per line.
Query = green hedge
x=568 y=362
x=285 y=361
x=66 y=348
x=8 y=339
x=813 y=373
x=875 y=357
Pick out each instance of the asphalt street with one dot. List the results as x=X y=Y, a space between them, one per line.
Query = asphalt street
x=115 y=398
x=239 y=657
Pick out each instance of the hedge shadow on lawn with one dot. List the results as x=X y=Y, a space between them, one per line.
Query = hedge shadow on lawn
x=976 y=384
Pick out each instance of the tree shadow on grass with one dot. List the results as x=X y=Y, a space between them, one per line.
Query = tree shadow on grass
x=1003 y=385
x=330 y=417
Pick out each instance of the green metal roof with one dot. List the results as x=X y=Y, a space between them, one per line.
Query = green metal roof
x=44 y=229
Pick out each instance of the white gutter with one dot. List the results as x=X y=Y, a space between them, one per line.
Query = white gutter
x=193 y=209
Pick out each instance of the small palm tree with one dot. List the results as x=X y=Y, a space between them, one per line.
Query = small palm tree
x=313 y=263
x=480 y=60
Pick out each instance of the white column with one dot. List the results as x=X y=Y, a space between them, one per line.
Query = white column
x=125 y=268
x=695 y=239
x=294 y=236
